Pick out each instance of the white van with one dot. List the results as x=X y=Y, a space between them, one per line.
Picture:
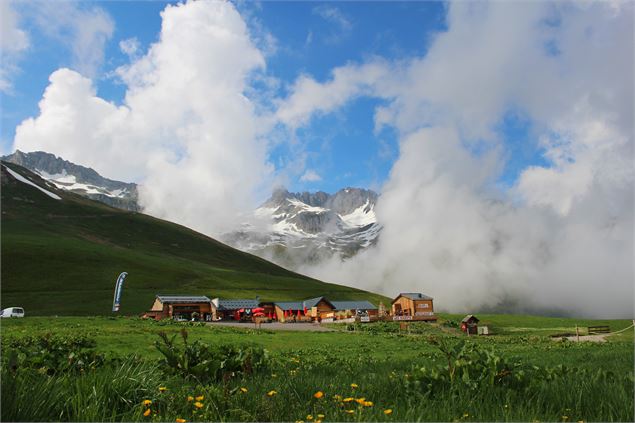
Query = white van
x=13 y=312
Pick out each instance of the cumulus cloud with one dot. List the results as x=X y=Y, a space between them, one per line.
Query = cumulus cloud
x=561 y=239
x=310 y=176
x=185 y=130
x=13 y=41
x=129 y=46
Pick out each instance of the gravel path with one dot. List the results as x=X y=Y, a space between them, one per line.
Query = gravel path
x=311 y=327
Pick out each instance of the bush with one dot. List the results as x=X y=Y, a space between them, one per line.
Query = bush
x=207 y=363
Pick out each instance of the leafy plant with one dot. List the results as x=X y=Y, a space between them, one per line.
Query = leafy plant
x=208 y=363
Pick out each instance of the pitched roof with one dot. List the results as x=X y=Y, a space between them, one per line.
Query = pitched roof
x=413 y=296
x=290 y=305
x=468 y=317
x=237 y=304
x=183 y=299
x=353 y=305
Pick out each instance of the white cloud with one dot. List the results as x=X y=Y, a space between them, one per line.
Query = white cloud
x=310 y=176
x=129 y=46
x=83 y=29
x=562 y=237
x=335 y=17
x=13 y=41
x=185 y=130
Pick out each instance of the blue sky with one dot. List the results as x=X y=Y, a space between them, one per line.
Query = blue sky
x=311 y=38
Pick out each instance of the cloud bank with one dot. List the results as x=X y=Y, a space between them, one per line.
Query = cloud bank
x=185 y=130
x=561 y=239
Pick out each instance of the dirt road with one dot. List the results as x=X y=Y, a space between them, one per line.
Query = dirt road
x=275 y=326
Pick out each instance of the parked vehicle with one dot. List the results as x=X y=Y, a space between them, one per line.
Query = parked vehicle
x=13 y=312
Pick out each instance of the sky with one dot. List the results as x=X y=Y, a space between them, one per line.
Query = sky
x=498 y=134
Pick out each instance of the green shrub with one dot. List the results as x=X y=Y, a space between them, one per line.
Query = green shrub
x=207 y=363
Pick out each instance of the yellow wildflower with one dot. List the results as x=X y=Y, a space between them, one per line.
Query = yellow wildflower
x=272 y=393
x=198 y=404
x=349 y=411
x=299 y=421
x=162 y=388
x=190 y=398
x=243 y=390
x=388 y=411
x=309 y=417
x=318 y=421
x=337 y=397
x=147 y=402
x=465 y=415
x=318 y=394
x=354 y=385
x=200 y=398
x=367 y=403
x=320 y=416
x=349 y=399
x=147 y=412
x=360 y=400
x=178 y=420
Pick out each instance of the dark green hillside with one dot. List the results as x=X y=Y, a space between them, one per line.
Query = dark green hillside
x=63 y=256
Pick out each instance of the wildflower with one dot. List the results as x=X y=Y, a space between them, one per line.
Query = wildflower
x=360 y=400
x=200 y=398
x=318 y=421
x=243 y=390
x=147 y=402
x=349 y=411
x=354 y=386
x=318 y=394
x=349 y=399
x=274 y=375
x=465 y=415
x=147 y=412
x=198 y=404
x=320 y=416
x=190 y=398
x=367 y=403
x=272 y=393
x=162 y=388
x=388 y=411
x=178 y=420
x=299 y=421
x=337 y=397
x=309 y=417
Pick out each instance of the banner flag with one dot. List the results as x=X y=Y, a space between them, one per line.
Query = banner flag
x=118 y=288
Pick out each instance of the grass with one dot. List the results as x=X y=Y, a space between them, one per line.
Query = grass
x=63 y=257
x=385 y=365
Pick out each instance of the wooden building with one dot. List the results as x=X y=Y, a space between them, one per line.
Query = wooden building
x=240 y=309
x=413 y=306
x=322 y=309
x=180 y=308
x=469 y=324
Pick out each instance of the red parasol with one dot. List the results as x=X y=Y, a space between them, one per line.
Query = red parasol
x=258 y=309
x=299 y=315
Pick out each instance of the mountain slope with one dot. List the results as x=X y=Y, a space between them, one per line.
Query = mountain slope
x=294 y=229
x=78 y=179
x=63 y=256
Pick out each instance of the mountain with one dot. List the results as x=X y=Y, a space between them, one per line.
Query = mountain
x=61 y=254
x=78 y=179
x=294 y=229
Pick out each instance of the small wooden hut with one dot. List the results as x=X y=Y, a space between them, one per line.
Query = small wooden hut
x=469 y=324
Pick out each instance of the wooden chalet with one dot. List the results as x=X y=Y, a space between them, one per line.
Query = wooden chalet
x=180 y=307
x=413 y=306
x=239 y=309
x=321 y=309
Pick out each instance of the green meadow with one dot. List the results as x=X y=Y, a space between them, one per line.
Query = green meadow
x=370 y=372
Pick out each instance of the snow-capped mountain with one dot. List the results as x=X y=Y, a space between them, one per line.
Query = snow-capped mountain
x=293 y=229
x=78 y=179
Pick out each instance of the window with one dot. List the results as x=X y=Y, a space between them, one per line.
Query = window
x=424 y=305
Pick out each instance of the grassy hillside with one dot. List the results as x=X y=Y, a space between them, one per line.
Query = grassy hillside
x=63 y=256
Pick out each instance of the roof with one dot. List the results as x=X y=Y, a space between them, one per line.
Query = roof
x=290 y=305
x=413 y=296
x=353 y=305
x=468 y=317
x=183 y=299
x=312 y=302
x=237 y=304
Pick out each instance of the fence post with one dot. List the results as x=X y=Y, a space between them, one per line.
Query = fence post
x=577 y=332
